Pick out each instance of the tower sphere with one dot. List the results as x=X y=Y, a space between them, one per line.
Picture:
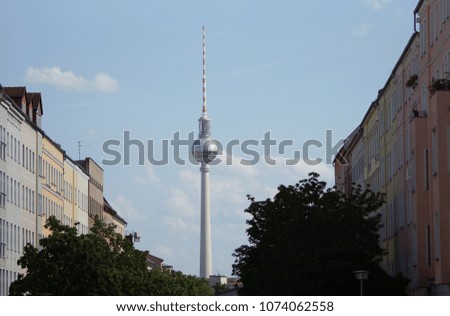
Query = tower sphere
x=205 y=150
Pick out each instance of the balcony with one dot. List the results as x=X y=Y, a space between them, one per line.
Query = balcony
x=416 y=113
x=439 y=85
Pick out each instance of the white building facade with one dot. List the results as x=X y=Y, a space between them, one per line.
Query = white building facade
x=19 y=188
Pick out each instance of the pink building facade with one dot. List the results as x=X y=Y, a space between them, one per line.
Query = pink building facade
x=403 y=143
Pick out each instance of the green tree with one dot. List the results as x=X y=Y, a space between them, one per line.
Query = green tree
x=166 y=283
x=99 y=263
x=309 y=240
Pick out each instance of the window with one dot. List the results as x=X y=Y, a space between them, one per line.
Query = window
x=408 y=201
x=436 y=20
x=424 y=99
x=2 y=190
x=23 y=196
x=2 y=143
x=423 y=42
x=428 y=244
x=15 y=149
x=446 y=9
x=2 y=239
x=40 y=210
x=437 y=237
x=8 y=189
x=40 y=166
x=7 y=144
x=15 y=192
x=27 y=199
x=427 y=172
x=434 y=152
x=18 y=193
x=413 y=171
x=442 y=12
x=448 y=149
x=432 y=28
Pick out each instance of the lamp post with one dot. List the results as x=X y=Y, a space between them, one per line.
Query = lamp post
x=361 y=275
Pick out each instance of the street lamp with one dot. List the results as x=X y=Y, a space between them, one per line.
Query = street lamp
x=361 y=275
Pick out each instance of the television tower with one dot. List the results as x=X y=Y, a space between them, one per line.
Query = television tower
x=204 y=150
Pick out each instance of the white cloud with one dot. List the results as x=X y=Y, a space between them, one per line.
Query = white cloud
x=176 y=224
x=164 y=252
x=361 y=30
x=139 y=180
x=235 y=164
x=147 y=177
x=67 y=80
x=126 y=209
x=301 y=170
x=180 y=204
x=150 y=172
x=378 y=4
x=91 y=132
x=190 y=178
x=181 y=216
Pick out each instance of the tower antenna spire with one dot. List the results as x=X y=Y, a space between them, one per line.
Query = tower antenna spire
x=204 y=70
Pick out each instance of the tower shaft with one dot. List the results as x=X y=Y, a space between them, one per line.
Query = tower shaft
x=205 y=229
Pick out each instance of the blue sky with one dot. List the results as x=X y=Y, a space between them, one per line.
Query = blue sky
x=294 y=68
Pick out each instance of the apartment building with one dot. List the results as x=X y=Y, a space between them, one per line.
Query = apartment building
x=52 y=181
x=95 y=189
x=405 y=136
x=76 y=194
x=38 y=180
x=19 y=185
x=110 y=216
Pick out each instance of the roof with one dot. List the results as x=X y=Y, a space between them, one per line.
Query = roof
x=348 y=143
x=15 y=92
x=416 y=10
x=108 y=208
x=154 y=261
x=391 y=76
x=85 y=163
x=36 y=99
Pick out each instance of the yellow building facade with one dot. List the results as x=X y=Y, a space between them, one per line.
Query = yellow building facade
x=76 y=191
x=52 y=181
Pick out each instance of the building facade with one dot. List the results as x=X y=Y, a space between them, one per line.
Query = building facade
x=38 y=180
x=406 y=154
x=110 y=216
x=19 y=185
x=52 y=181
x=95 y=189
x=76 y=194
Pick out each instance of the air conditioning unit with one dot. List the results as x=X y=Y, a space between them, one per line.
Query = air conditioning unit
x=136 y=237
